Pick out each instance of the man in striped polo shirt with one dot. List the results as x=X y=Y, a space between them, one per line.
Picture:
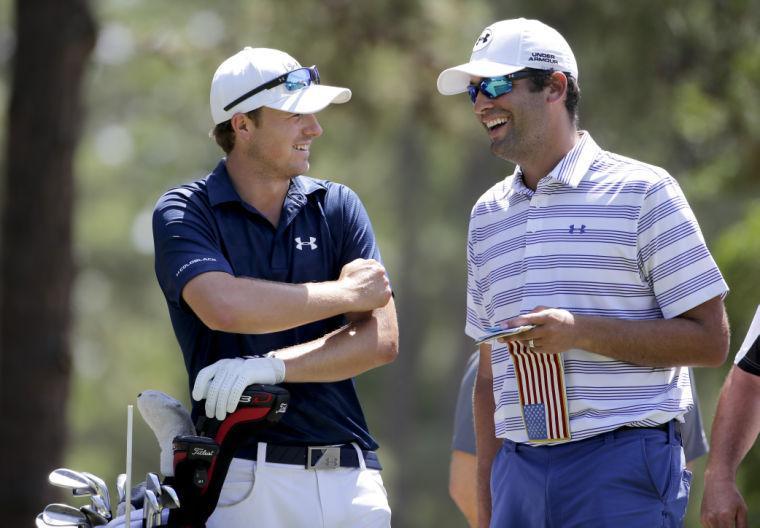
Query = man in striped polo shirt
x=601 y=258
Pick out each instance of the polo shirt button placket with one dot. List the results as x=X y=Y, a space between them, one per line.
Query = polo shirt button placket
x=533 y=223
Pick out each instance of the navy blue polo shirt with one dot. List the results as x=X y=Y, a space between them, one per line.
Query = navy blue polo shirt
x=205 y=226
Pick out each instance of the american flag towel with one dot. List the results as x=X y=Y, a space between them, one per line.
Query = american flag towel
x=541 y=384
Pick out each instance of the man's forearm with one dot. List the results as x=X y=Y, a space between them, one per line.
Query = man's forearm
x=694 y=339
x=463 y=484
x=252 y=306
x=362 y=345
x=697 y=337
x=736 y=424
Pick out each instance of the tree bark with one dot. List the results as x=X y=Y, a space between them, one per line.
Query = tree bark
x=54 y=39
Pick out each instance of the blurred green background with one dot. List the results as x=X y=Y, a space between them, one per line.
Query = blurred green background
x=673 y=83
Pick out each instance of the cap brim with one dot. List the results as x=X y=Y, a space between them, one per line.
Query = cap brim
x=311 y=99
x=455 y=80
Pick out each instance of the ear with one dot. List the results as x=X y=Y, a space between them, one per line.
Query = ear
x=242 y=125
x=557 y=87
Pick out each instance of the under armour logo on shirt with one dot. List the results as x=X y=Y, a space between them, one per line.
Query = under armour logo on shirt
x=573 y=229
x=311 y=243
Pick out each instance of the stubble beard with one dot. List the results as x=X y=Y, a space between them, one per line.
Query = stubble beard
x=519 y=145
x=513 y=148
x=273 y=169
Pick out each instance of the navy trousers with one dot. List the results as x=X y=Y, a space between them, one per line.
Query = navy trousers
x=625 y=478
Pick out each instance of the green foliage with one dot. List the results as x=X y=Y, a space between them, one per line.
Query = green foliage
x=670 y=82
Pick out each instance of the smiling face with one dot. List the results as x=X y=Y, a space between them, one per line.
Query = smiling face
x=516 y=122
x=279 y=143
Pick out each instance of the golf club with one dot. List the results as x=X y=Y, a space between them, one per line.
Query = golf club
x=64 y=515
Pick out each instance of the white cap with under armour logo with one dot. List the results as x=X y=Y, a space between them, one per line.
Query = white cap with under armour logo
x=509 y=46
x=240 y=85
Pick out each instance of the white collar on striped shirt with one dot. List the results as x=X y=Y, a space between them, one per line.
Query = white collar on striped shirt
x=570 y=170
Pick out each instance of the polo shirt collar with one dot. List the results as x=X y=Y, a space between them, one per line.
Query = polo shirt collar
x=221 y=190
x=304 y=186
x=571 y=168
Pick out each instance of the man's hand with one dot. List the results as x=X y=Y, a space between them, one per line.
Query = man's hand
x=723 y=505
x=367 y=283
x=554 y=332
x=223 y=382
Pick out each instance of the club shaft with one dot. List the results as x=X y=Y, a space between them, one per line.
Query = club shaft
x=128 y=483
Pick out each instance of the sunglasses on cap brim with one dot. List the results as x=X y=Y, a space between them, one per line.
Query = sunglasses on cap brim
x=293 y=80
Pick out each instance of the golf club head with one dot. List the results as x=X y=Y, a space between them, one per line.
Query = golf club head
x=94 y=517
x=64 y=515
x=150 y=507
x=102 y=490
x=153 y=483
x=99 y=505
x=73 y=480
x=167 y=418
x=169 y=498
x=40 y=523
x=121 y=483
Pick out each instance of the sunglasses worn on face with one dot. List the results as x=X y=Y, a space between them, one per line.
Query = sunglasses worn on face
x=293 y=81
x=493 y=87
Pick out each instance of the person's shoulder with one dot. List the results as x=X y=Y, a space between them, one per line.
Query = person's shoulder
x=331 y=193
x=494 y=198
x=610 y=165
x=186 y=193
x=498 y=191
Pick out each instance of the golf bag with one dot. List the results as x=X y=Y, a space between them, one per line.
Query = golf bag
x=201 y=462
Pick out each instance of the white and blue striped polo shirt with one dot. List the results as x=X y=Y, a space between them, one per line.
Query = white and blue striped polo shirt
x=602 y=235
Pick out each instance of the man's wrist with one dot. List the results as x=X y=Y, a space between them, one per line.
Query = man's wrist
x=278 y=365
x=581 y=333
x=720 y=473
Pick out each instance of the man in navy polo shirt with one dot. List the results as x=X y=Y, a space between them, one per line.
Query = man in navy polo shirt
x=274 y=277
x=599 y=261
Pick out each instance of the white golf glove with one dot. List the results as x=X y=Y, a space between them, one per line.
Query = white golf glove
x=222 y=383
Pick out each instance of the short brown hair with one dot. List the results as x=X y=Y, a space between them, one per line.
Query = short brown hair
x=542 y=79
x=224 y=135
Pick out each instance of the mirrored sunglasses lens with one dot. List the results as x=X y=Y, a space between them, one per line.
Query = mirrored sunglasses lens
x=496 y=87
x=472 y=91
x=298 y=79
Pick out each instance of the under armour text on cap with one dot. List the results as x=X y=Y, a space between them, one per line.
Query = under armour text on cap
x=509 y=46
x=253 y=67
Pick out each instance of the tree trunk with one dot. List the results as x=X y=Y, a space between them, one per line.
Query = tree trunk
x=54 y=39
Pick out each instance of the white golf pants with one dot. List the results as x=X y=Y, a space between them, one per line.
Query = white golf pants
x=264 y=494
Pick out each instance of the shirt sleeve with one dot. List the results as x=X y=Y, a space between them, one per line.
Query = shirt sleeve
x=673 y=256
x=748 y=356
x=476 y=318
x=464 y=425
x=355 y=237
x=186 y=241
x=750 y=361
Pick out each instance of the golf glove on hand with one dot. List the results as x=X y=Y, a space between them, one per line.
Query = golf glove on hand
x=222 y=383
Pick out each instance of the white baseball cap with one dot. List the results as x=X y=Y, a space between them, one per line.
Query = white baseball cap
x=509 y=46
x=252 y=67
